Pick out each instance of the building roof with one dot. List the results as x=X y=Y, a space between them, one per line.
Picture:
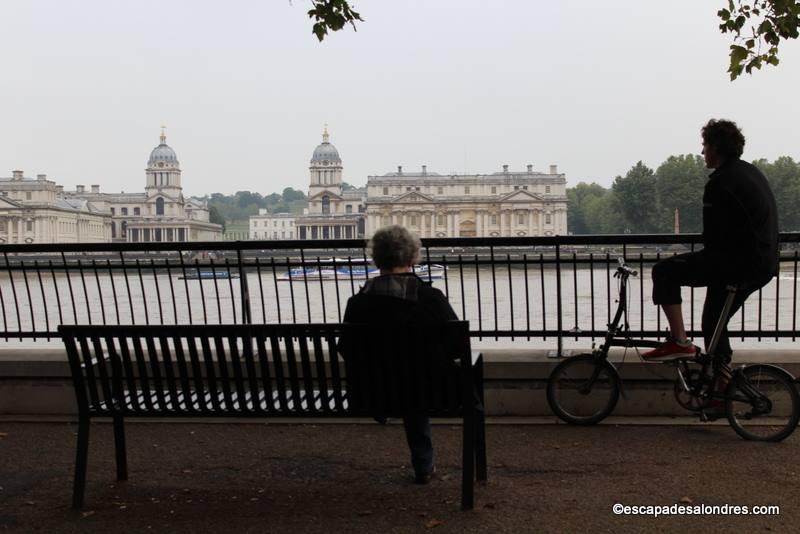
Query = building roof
x=325 y=151
x=162 y=153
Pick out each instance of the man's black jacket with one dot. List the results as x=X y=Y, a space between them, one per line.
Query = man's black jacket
x=740 y=223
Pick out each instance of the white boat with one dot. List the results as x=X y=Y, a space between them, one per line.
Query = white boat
x=344 y=269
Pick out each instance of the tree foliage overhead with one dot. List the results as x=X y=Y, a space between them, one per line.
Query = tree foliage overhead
x=332 y=15
x=758 y=26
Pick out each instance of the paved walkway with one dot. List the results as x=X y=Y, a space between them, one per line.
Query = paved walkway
x=352 y=478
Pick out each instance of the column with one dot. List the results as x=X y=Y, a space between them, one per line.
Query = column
x=530 y=221
x=501 y=219
x=457 y=224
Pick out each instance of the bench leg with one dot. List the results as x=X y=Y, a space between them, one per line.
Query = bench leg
x=468 y=461
x=480 y=444
x=119 y=446
x=79 y=484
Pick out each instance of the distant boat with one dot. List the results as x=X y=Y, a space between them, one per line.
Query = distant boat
x=344 y=269
x=208 y=274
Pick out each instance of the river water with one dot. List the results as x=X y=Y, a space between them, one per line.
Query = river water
x=502 y=299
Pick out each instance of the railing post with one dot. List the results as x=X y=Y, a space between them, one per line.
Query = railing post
x=247 y=316
x=559 y=326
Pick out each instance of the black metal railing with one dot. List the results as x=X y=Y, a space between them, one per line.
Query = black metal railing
x=553 y=288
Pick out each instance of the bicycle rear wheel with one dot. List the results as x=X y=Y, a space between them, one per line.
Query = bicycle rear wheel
x=763 y=403
x=583 y=389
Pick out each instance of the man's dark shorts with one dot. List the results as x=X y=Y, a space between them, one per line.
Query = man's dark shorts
x=695 y=270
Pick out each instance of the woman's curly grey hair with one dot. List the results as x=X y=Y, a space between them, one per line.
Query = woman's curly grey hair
x=394 y=246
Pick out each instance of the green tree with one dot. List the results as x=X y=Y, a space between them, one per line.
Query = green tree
x=215 y=217
x=784 y=178
x=290 y=195
x=680 y=182
x=578 y=199
x=636 y=199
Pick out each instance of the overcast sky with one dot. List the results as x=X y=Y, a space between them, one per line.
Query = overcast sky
x=458 y=85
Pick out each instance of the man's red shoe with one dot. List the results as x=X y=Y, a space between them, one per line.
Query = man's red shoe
x=670 y=350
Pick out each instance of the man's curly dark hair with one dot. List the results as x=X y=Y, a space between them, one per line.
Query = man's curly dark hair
x=726 y=138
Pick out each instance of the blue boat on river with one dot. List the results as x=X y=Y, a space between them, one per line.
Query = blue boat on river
x=208 y=274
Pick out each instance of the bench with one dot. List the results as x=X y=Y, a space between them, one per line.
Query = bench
x=292 y=370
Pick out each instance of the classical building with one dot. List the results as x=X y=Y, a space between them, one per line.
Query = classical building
x=332 y=213
x=272 y=226
x=32 y=211
x=161 y=213
x=507 y=203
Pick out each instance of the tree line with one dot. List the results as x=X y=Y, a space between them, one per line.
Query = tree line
x=242 y=204
x=644 y=200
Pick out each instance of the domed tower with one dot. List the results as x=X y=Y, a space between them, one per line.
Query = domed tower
x=163 y=171
x=325 y=168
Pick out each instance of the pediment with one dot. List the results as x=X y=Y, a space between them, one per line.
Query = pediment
x=521 y=196
x=6 y=202
x=413 y=197
x=330 y=194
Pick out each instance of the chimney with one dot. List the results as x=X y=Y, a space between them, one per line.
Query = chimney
x=95 y=189
x=41 y=177
x=79 y=189
x=505 y=169
x=530 y=168
x=424 y=170
x=17 y=175
x=553 y=169
x=399 y=169
x=59 y=189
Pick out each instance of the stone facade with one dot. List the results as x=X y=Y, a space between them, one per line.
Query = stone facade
x=32 y=211
x=272 y=226
x=332 y=213
x=507 y=203
x=159 y=214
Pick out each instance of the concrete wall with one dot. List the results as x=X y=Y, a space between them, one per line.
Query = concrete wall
x=38 y=382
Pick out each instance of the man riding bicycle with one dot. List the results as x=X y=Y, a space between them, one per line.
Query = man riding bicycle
x=740 y=244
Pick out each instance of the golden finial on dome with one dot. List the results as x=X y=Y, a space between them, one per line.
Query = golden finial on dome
x=163 y=135
x=325 y=135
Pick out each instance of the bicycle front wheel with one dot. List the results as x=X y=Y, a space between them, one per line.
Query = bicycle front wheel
x=583 y=389
x=762 y=403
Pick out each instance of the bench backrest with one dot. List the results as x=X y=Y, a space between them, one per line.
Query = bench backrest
x=281 y=370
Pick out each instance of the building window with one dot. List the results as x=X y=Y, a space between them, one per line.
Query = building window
x=525 y=187
x=159 y=208
x=547 y=219
x=440 y=220
x=123 y=230
x=326 y=204
x=493 y=219
x=412 y=220
x=137 y=211
x=27 y=195
x=547 y=189
x=440 y=190
x=521 y=218
x=416 y=189
x=466 y=190
x=274 y=224
x=113 y=211
x=385 y=191
x=124 y=211
x=29 y=226
x=494 y=190
x=408 y=189
x=348 y=209
x=516 y=188
x=387 y=220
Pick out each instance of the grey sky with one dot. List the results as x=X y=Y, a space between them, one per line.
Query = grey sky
x=459 y=85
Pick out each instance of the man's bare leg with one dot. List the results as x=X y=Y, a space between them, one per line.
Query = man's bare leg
x=675 y=319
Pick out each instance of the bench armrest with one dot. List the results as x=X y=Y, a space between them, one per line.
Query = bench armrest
x=476 y=357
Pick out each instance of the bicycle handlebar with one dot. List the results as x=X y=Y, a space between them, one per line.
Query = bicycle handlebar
x=623 y=269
